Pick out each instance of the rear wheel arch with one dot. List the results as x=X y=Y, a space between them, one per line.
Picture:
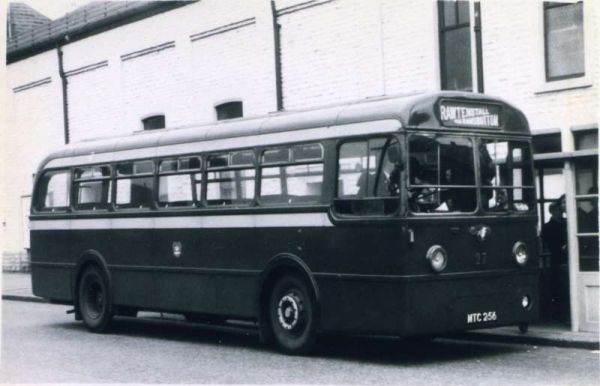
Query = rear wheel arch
x=89 y=258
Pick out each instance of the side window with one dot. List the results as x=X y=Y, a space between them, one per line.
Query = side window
x=230 y=178
x=53 y=191
x=135 y=181
x=507 y=183
x=92 y=187
x=368 y=177
x=291 y=175
x=179 y=182
x=441 y=174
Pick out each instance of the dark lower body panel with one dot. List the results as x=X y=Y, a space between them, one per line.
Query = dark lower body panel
x=435 y=305
x=348 y=303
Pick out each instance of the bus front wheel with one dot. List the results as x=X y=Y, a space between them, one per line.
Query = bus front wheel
x=93 y=297
x=292 y=315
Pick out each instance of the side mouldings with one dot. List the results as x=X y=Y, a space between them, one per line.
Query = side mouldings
x=90 y=257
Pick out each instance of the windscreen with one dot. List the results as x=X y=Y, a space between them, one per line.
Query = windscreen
x=441 y=174
x=506 y=176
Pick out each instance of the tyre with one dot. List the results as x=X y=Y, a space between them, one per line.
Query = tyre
x=94 y=300
x=292 y=315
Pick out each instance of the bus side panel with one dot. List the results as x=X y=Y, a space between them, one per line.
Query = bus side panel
x=351 y=275
x=132 y=266
x=213 y=271
x=51 y=269
x=52 y=283
x=362 y=305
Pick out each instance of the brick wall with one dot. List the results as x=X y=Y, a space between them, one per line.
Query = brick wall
x=16 y=262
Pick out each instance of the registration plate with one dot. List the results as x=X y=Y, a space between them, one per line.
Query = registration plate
x=482 y=317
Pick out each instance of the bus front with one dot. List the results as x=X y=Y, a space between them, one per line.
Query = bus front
x=471 y=216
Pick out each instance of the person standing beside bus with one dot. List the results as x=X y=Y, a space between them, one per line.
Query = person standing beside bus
x=554 y=234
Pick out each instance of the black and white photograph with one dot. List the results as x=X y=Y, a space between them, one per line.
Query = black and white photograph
x=315 y=192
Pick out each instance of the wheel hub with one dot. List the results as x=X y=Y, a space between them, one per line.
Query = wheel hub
x=288 y=311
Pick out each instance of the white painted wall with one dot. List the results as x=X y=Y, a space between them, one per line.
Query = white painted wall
x=332 y=51
x=33 y=124
x=513 y=62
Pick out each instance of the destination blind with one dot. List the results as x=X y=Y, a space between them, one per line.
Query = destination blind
x=472 y=115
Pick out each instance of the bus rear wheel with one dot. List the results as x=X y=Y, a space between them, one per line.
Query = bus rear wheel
x=93 y=298
x=292 y=315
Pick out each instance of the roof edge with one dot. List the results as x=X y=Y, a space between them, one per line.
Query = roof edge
x=15 y=53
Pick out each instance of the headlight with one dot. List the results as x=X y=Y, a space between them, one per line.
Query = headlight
x=526 y=302
x=437 y=258
x=520 y=253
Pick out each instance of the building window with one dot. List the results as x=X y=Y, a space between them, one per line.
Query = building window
x=586 y=140
x=455 y=45
x=229 y=110
x=154 y=122
x=564 y=42
x=546 y=143
x=586 y=198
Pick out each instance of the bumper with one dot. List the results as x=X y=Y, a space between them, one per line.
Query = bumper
x=428 y=305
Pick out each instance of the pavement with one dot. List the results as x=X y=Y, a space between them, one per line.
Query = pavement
x=17 y=286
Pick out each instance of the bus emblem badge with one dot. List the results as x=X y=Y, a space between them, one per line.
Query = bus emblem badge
x=177 y=249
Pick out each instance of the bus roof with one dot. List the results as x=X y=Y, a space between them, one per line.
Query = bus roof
x=421 y=110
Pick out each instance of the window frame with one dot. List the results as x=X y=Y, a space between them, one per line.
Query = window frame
x=588 y=262
x=442 y=29
x=547 y=5
x=153 y=175
x=544 y=86
x=227 y=104
x=150 y=118
x=108 y=206
x=399 y=198
x=284 y=164
x=476 y=185
x=205 y=180
x=192 y=173
x=51 y=210
x=509 y=188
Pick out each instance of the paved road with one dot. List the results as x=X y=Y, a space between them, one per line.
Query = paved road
x=40 y=343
